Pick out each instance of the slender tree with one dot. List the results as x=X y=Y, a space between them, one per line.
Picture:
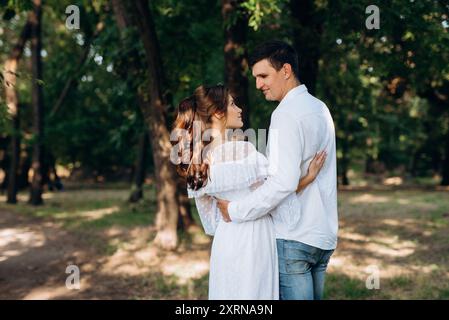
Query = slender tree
x=235 y=54
x=140 y=166
x=37 y=103
x=12 y=102
x=307 y=27
x=137 y=14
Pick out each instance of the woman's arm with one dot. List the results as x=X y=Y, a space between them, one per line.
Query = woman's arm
x=314 y=168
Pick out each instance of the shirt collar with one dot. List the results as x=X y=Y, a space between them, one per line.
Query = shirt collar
x=293 y=93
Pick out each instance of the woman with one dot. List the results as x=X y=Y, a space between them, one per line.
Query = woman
x=243 y=262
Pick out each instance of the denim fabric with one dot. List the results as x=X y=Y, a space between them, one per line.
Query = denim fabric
x=302 y=269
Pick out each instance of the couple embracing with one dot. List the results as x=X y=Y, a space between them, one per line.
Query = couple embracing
x=274 y=218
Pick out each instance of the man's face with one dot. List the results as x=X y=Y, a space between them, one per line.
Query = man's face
x=268 y=80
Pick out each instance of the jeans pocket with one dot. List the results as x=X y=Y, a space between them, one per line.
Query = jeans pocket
x=298 y=257
x=326 y=257
x=297 y=266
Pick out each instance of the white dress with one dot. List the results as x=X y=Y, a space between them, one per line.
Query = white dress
x=243 y=263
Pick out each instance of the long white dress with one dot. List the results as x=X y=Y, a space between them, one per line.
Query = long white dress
x=243 y=263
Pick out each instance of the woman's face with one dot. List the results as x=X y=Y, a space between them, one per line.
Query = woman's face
x=234 y=115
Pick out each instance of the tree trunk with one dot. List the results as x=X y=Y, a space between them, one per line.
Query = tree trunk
x=25 y=166
x=12 y=102
x=185 y=213
x=369 y=164
x=307 y=30
x=438 y=98
x=345 y=162
x=235 y=55
x=166 y=179
x=5 y=160
x=139 y=175
x=445 y=173
x=15 y=157
x=137 y=13
x=37 y=102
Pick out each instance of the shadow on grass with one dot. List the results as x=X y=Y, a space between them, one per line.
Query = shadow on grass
x=30 y=272
x=405 y=234
x=128 y=215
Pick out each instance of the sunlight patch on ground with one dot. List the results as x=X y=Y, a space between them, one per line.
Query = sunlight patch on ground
x=426 y=269
x=393 y=181
x=369 y=198
x=99 y=213
x=184 y=267
x=353 y=236
x=403 y=201
x=20 y=197
x=47 y=292
x=185 y=270
x=89 y=215
x=391 y=222
x=147 y=256
x=92 y=194
x=409 y=224
x=352 y=267
x=136 y=256
x=373 y=254
x=15 y=241
x=400 y=249
x=48 y=195
x=68 y=196
x=24 y=196
x=389 y=245
x=123 y=262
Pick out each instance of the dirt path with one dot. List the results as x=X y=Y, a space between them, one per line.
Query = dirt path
x=34 y=255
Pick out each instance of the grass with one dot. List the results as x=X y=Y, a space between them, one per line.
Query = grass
x=405 y=233
x=90 y=212
x=92 y=209
x=340 y=286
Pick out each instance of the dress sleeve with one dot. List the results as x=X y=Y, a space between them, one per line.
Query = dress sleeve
x=208 y=212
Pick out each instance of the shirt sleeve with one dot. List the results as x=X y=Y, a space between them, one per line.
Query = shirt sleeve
x=208 y=212
x=285 y=144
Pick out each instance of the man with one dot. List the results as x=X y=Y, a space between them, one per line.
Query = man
x=305 y=224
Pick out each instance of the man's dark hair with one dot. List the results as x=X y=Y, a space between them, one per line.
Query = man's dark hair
x=278 y=53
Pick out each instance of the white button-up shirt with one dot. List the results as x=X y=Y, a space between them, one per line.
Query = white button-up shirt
x=300 y=127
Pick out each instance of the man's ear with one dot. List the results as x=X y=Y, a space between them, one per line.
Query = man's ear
x=287 y=70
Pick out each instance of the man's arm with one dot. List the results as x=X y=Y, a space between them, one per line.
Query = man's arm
x=285 y=145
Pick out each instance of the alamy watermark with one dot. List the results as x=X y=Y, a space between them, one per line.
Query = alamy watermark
x=73 y=280
x=72 y=22
x=373 y=20
x=373 y=280
x=189 y=144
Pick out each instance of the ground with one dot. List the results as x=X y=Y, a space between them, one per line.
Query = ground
x=400 y=235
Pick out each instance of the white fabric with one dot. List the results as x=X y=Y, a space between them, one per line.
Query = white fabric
x=300 y=126
x=243 y=263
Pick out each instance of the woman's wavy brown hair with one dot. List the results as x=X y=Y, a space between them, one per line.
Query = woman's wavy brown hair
x=201 y=106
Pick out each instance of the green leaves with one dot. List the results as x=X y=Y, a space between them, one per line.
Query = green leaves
x=10 y=8
x=257 y=10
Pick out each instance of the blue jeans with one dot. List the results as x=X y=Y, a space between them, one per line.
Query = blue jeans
x=302 y=269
